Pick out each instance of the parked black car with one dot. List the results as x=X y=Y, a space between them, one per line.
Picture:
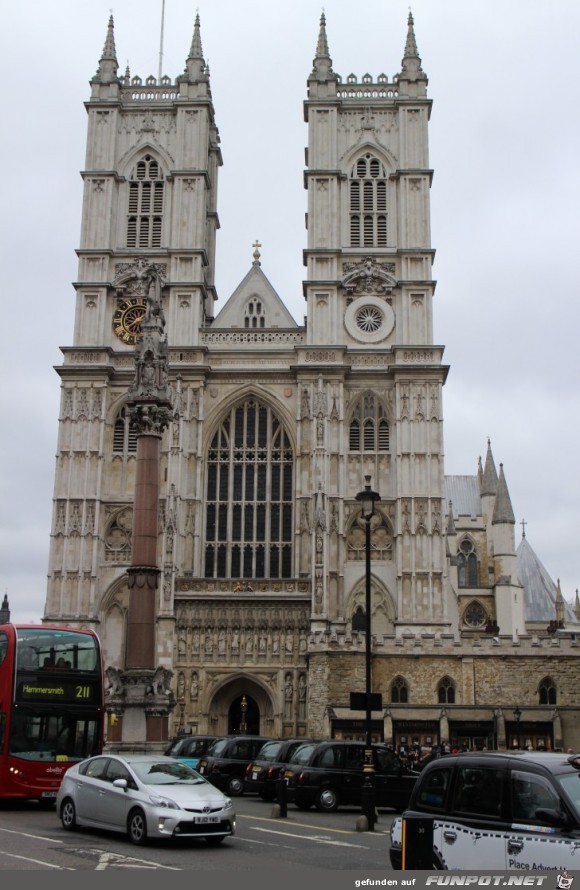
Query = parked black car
x=225 y=761
x=264 y=771
x=189 y=748
x=328 y=774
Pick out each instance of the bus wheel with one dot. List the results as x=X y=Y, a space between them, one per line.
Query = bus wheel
x=137 y=827
x=68 y=815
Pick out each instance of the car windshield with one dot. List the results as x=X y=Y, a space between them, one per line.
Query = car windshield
x=176 y=746
x=302 y=754
x=570 y=782
x=217 y=747
x=270 y=751
x=159 y=772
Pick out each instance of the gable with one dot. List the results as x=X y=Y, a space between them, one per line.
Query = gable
x=254 y=304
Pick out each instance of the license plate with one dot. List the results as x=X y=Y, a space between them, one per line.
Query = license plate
x=203 y=820
x=254 y=775
x=49 y=793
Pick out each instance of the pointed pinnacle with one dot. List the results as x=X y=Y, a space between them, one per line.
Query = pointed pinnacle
x=109 y=51
x=196 y=51
x=322 y=64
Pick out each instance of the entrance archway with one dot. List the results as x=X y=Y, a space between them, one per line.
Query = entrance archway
x=225 y=708
x=244 y=716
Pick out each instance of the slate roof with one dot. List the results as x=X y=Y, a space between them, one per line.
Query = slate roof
x=539 y=590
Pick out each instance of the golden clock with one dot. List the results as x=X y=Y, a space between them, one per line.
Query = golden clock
x=127 y=319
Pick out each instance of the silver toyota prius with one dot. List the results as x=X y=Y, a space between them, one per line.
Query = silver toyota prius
x=145 y=797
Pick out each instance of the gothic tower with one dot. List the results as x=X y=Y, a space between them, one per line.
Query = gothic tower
x=149 y=201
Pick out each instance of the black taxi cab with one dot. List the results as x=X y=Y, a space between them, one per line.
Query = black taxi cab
x=330 y=774
x=511 y=810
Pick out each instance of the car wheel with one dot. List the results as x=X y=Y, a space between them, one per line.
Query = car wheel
x=327 y=800
x=236 y=786
x=68 y=814
x=137 y=827
x=215 y=840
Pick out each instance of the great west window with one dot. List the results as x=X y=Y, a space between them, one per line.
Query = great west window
x=249 y=500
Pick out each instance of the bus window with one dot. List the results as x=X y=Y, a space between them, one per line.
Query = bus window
x=3 y=646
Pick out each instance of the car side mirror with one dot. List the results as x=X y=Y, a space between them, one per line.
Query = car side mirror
x=120 y=783
x=551 y=817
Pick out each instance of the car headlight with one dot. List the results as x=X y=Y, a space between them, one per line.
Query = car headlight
x=227 y=803
x=158 y=801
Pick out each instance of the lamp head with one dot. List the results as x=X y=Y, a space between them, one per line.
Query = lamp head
x=368 y=498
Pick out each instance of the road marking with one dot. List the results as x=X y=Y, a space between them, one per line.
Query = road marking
x=37 y=837
x=316 y=838
x=302 y=824
x=120 y=861
x=37 y=861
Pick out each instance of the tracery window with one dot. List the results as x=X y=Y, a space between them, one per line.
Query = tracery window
x=399 y=691
x=369 y=426
x=249 y=503
x=381 y=538
x=467 y=567
x=146 y=193
x=368 y=203
x=548 y=692
x=446 y=691
x=124 y=436
x=474 y=615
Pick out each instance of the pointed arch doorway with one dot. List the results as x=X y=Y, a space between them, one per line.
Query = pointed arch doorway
x=226 y=715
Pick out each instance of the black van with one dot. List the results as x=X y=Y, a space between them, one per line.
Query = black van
x=225 y=761
x=328 y=774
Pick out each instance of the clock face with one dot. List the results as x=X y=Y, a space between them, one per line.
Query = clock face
x=127 y=319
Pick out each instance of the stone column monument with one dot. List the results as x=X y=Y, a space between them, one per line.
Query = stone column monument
x=142 y=695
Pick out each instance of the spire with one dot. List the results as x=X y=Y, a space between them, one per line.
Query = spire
x=196 y=67
x=5 y=610
x=256 y=245
x=577 y=606
x=411 y=64
x=108 y=65
x=502 y=510
x=559 y=605
x=489 y=480
x=479 y=472
x=322 y=63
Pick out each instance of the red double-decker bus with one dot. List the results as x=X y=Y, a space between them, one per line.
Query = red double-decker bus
x=51 y=706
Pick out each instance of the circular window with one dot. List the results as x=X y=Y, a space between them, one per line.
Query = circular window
x=369 y=320
x=474 y=615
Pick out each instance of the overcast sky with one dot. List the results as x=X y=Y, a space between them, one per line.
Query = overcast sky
x=505 y=147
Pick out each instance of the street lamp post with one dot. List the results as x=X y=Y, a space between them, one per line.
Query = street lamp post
x=518 y=716
x=367 y=499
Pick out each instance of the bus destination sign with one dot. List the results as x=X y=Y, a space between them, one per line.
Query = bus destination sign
x=71 y=691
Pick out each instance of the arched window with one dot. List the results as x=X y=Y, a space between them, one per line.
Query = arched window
x=146 y=188
x=124 y=437
x=446 y=691
x=467 y=568
x=399 y=691
x=250 y=490
x=368 y=203
x=255 y=316
x=369 y=427
x=548 y=692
